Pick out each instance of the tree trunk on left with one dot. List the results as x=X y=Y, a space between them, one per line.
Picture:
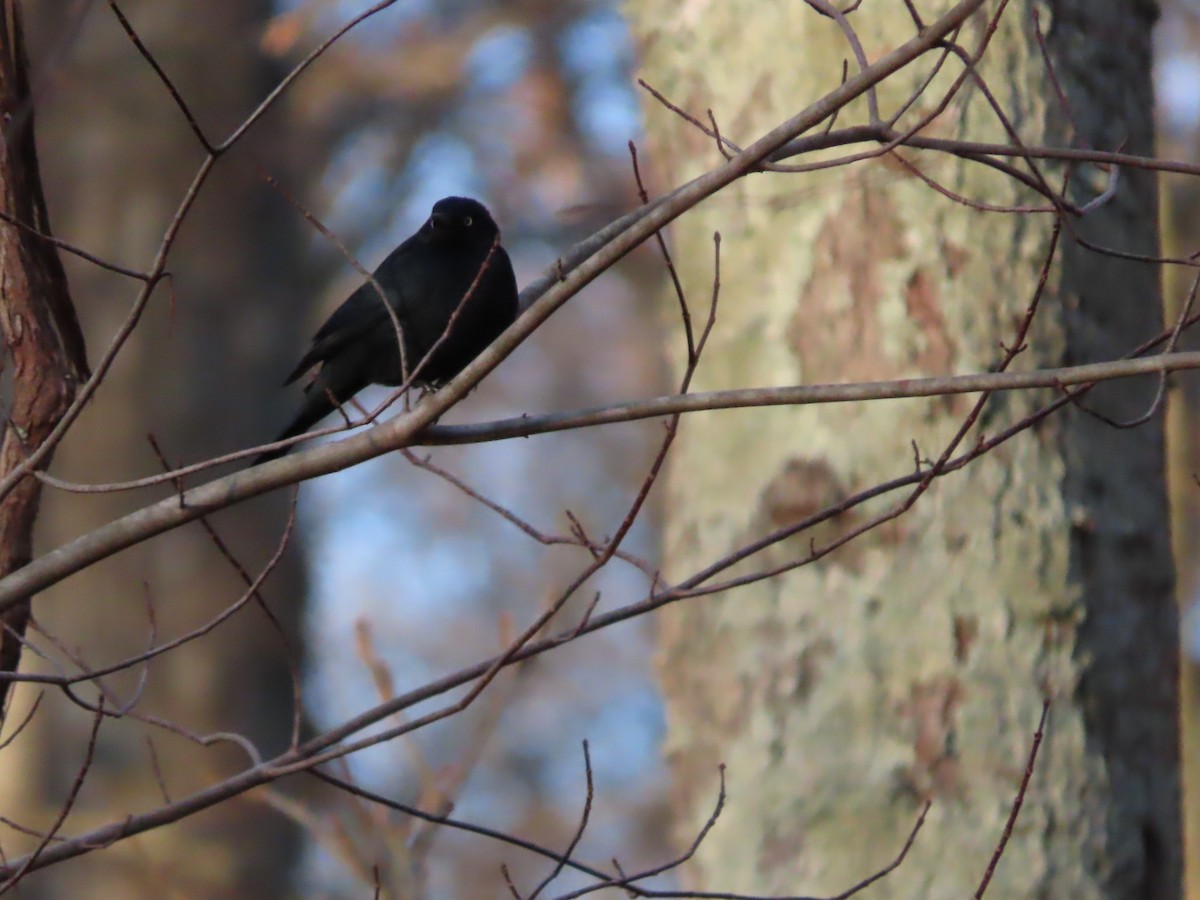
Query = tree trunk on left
x=44 y=355
x=198 y=374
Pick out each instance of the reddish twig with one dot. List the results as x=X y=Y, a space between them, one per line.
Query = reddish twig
x=72 y=795
x=1018 y=800
x=584 y=816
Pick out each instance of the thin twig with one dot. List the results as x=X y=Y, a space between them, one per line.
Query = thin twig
x=1018 y=800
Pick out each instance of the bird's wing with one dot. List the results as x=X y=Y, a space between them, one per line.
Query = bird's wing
x=362 y=312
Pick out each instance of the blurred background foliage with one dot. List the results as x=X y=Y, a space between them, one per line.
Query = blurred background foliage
x=397 y=576
x=528 y=105
x=1177 y=79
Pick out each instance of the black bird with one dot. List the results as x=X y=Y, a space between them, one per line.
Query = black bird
x=426 y=281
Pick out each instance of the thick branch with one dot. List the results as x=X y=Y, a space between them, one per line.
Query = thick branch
x=175 y=511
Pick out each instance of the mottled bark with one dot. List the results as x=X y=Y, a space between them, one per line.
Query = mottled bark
x=913 y=662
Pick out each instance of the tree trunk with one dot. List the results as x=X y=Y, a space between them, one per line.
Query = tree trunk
x=199 y=374
x=912 y=663
x=43 y=346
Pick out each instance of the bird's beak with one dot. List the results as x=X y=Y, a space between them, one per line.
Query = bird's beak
x=438 y=221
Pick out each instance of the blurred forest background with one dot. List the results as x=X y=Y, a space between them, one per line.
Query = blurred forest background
x=1177 y=81
x=529 y=105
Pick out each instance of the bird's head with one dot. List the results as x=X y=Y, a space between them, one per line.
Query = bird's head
x=460 y=220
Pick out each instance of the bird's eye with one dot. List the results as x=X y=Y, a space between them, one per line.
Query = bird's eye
x=467 y=220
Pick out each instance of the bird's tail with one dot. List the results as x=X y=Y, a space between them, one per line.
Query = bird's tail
x=317 y=406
